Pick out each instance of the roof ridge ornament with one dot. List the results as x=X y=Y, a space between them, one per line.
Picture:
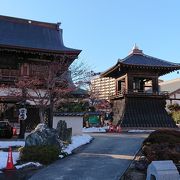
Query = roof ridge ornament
x=58 y=24
x=135 y=46
x=136 y=50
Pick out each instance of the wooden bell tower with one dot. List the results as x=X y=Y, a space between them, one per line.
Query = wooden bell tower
x=138 y=101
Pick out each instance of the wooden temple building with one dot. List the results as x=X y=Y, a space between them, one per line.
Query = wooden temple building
x=138 y=101
x=26 y=48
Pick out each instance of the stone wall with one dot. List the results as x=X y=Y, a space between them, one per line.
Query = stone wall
x=118 y=110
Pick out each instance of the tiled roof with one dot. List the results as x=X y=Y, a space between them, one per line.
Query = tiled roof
x=76 y=113
x=28 y=34
x=170 y=85
x=146 y=112
x=137 y=59
x=145 y=60
x=68 y=114
x=80 y=91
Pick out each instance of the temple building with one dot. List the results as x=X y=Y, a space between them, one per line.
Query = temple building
x=138 y=102
x=26 y=48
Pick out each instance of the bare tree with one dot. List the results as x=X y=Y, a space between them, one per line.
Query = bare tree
x=45 y=88
x=80 y=73
x=52 y=85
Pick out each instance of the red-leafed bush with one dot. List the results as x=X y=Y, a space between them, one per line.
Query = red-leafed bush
x=162 y=145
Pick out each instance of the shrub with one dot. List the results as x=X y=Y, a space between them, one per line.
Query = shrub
x=161 y=152
x=174 y=107
x=175 y=112
x=162 y=145
x=42 y=154
x=163 y=136
x=176 y=116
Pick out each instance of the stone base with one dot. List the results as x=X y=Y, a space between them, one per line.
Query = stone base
x=162 y=170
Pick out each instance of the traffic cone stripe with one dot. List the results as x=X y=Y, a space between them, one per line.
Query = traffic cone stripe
x=14 y=132
x=113 y=128
x=10 y=165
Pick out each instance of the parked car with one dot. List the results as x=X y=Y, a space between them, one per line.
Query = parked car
x=6 y=130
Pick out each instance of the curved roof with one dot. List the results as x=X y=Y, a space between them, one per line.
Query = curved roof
x=137 y=59
x=32 y=35
x=145 y=60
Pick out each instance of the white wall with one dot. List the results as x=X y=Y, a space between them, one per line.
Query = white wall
x=74 y=122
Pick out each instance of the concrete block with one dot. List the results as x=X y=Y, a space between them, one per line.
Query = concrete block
x=162 y=170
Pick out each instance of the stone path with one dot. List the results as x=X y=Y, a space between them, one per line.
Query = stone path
x=107 y=157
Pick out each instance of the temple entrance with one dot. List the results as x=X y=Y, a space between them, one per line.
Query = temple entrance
x=9 y=111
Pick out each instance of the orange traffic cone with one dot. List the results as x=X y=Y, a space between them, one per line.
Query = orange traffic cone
x=10 y=165
x=14 y=131
x=111 y=128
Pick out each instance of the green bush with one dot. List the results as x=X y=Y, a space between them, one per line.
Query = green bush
x=176 y=116
x=42 y=154
x=175 y=112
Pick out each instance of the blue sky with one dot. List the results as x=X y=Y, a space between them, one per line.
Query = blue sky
x=107 y=30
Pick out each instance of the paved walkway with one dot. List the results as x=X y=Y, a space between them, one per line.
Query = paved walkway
x=107 y=157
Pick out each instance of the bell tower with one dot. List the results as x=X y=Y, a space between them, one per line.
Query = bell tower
x=138 y=101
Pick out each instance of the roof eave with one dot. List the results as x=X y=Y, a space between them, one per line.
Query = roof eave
x=43 y=51
x=110 y=70
x=176 y=67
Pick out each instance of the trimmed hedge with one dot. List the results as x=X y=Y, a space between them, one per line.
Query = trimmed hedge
x=42 y=154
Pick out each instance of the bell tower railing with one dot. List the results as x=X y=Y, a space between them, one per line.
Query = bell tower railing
x=138 y=93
